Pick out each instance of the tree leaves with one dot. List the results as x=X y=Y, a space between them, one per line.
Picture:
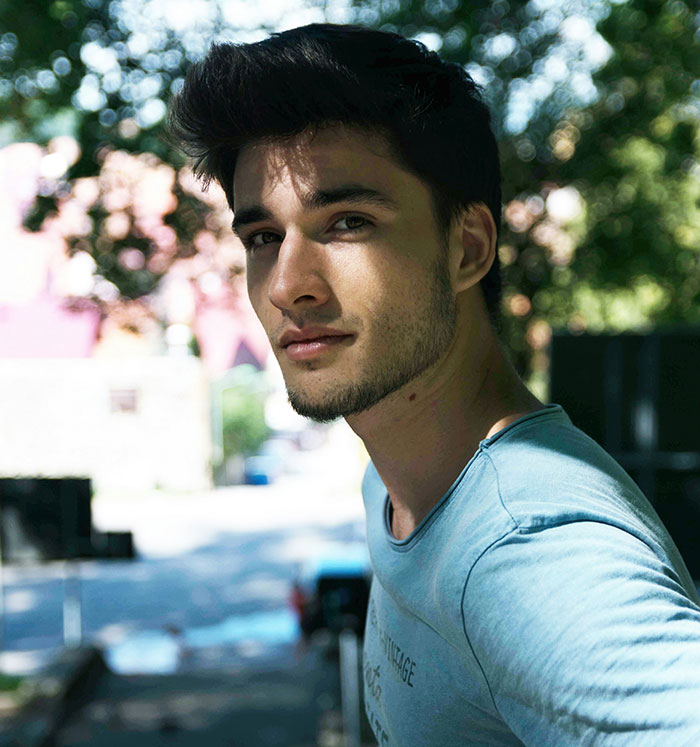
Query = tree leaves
x=601 y=97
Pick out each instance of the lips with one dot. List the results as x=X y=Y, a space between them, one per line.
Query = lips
x=309 y=334
x=311 y=342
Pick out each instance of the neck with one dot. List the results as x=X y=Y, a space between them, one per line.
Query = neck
x=421 y=437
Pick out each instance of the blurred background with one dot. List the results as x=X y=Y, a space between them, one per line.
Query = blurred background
x=180 y=551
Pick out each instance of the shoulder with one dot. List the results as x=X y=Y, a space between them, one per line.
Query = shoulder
x=583 y=619
x=549 y=472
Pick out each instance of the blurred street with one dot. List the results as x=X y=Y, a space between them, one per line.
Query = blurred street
x=211 y=581
x=206 y=602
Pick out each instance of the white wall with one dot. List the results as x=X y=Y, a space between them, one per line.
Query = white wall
x=60 y=417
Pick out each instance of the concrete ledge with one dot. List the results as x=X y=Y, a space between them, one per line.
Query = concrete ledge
x=54 y=695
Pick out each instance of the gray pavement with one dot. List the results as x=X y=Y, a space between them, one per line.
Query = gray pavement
x=223 y=603
x=291 y=706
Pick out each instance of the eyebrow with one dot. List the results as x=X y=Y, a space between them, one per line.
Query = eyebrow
x=353 y=193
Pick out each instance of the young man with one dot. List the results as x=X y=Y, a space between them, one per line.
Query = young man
x=525 y=591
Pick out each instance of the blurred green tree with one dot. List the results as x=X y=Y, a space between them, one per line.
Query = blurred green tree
x=637 y=164
x=102 y=71
x=243 y=412
x=596 y=104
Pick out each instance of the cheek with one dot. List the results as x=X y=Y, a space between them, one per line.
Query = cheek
x=394 y=279
x=384 y=301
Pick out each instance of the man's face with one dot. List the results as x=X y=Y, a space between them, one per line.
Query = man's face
x=347 y=270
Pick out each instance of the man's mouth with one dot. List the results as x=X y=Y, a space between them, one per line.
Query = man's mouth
x=311 y=342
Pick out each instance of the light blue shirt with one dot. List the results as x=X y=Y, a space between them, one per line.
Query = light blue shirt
x=540 y=602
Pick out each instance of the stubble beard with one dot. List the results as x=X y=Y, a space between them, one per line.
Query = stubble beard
x=412 y=346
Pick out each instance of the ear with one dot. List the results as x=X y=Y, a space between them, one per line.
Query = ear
x=472 y=246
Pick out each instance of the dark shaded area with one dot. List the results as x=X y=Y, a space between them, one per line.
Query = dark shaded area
x=51 y=519
x=336 y=603
x=93 y=706
x=636 y=395
x=231 y=710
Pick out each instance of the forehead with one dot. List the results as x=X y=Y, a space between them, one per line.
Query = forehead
x=330 y=156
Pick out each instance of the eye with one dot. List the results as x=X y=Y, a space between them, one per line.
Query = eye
x=352 y=223
x=260 y=239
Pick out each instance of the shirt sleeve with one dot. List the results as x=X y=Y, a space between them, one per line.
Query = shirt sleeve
x=585 y=637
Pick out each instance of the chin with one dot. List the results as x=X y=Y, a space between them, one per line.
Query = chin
x=320 y=409
x=327 y=407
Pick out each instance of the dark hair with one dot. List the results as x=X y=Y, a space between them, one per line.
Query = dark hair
x=430 y=111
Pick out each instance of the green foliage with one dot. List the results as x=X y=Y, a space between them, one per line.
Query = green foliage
x=621 y=130
x=10 y=682
x=639 y=160
x=243 y=410
x=96 y=70
x=504 y=45
x=629 y=144
x=86 y=57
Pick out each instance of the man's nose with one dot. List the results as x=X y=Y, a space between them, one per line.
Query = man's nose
x=298 y=277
